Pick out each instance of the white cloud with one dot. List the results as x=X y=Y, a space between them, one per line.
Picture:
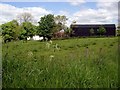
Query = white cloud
x=9 y=12
x=105 y=13
x=76 y=2
x=105 y=0
x=30 y=0
x=58 y=0
x=66 y=13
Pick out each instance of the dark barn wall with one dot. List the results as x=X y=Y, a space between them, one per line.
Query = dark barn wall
x=84 y=30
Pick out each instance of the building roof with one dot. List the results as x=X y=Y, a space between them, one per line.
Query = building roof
x=92 y=25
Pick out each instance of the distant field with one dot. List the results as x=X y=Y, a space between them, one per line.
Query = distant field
x=75 y=63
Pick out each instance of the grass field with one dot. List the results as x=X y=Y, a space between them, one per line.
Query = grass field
x=76 y=63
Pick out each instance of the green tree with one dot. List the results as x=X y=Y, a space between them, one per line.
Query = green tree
x=0 y=30
x=118 y=27
x=57 y=27
x=118 y=30
x=74 y=22
x=61 y=20
x=46 y=25
x=68 y=31
x=10 y=31
x=92 y=31
x=101 y=30
x=27 y=30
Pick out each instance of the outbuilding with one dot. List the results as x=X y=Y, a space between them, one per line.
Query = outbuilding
x=84 y=29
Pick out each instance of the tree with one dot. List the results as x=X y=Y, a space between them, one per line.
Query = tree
x=74 y=22
x=118 y=30
x=10 y=31
x=57 y=27
x=101 y=30
x=92 y=31
x=27 y=30
x=68 y=32
x=61 y=20
x=46 y=25
x=118 y=27
x=25 y=17
x=0 y=31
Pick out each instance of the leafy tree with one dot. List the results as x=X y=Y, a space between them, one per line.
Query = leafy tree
x=57 y=27
x=61 y=20
x=68 y=32
x=10 y=31
x=74 y=22
x=92 y=31
x=118 y=30
x=101 y=30
x=27 y=30
x=118 y=27
x=0 y=30
x=46 y=25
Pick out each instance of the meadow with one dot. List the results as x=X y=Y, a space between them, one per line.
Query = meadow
x=75 y=63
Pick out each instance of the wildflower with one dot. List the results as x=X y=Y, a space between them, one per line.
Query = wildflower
x=57 y=47
x=48 y=45
x=30 y=53
x=50 y=41
x=51 y=57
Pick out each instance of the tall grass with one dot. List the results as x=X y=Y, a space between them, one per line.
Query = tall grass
x=79 y=63
x=0 y=62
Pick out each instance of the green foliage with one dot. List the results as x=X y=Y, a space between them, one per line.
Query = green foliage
x=118 y=27
x=79 y=63
x=0 y=31
x=101 y=30
x=46 y=25
x=57 y=27
x=27 y=30
x=10 y=30
x=118 y=32
x=13 y=31
x=60 y=19
x=68 y=32
x=92 y=31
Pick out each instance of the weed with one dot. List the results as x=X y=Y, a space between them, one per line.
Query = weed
x=94 y=43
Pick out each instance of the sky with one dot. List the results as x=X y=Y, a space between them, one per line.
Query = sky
x=81 y=11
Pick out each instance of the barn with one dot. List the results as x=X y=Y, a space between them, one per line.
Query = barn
x=84 y=29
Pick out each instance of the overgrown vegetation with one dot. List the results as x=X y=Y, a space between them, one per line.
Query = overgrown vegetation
x=74 y=63
x=101 y=30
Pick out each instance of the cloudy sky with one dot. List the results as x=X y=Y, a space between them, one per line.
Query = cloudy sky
x=82 y=11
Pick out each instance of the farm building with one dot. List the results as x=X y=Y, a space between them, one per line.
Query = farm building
x=84 y=29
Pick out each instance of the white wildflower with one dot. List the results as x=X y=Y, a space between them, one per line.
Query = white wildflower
x=50 y=41
x=48 y=45
x=51 y=57
x=57 y=47
x=30 y=53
